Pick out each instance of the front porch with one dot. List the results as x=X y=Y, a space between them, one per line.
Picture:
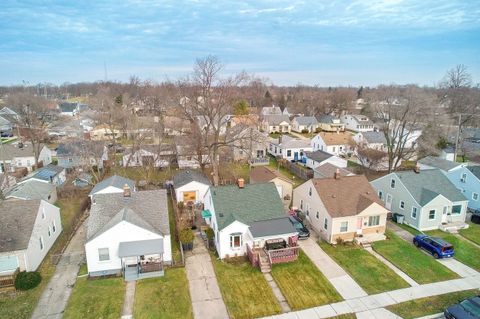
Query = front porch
x=274 y=251
x=143 y=270
x=141 y=259
x=453 y=227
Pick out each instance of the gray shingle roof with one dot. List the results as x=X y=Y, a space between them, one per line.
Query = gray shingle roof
x=276 y=119
x=47 y=172
x=115 y=181
x=428 y=184
x=140 y=247
x=31 y=189
x=17 y=220
x=254 y=202
x=328 y=170
x=475 y=170
x=306 y=120
x=438 y=162
x=185 y=177
x=374 y=137
x=289 y=142
x=271 y=227
x=318 y=156
x=10 y=151
x=146 y=209
x=328 y=119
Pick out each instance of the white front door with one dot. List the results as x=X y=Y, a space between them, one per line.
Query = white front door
x=445 y=215
x=359 y=225
x=388 y=201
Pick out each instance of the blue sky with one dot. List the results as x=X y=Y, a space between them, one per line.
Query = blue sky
x=358 y=42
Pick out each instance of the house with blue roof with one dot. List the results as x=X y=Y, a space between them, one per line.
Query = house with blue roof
x=426 y=198
x=52 y=174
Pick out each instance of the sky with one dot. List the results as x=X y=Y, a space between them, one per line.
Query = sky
x=326 y=43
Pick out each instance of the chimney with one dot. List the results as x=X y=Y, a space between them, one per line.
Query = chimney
x=417 y=168
x=241 y=183
x=127 y=192
x=336 y=175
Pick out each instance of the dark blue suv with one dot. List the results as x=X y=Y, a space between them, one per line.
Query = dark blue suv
x=436 y=246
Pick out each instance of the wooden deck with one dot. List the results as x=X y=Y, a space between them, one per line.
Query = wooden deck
x=7 y=282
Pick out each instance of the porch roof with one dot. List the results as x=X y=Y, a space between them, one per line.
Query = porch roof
x=272 y=227
x=140 y=247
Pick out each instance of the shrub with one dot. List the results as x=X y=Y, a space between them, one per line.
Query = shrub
x=27 y=280
x=305 y=131
x=209 y=233
x=186 y=235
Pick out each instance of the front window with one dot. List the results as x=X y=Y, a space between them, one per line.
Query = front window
x=54 y=226
x=289 y=153
x=49 y=231
x=392 y=183
x=41 y=243
x=414 y=212
x=373 y=220
x=103 y=254
x=456 y=209
x=431 y=214
x=325 y=223
x=317 y=215
x=235 y=240
x=380 y=195
x=343 y=227
x=402 y=204
x=475 y=196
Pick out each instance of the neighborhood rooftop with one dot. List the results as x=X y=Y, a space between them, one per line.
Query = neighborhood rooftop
x=438 y=162
x=254 y=202
x=47 y=172
x=286 y=141
x=276 y=119
x=475 y=170
x=306 y=120
x=16 y=223
x=318 y=156
x=328 y=170
x=340 y=138
x=270 y=227
x=31 y=189
x=374 y=137
x=185 y=177
x=428 y=184
x=115 y=181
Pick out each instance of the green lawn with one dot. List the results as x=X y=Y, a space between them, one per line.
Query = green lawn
x=465 y=251
x=22 y=305
x=285 y=172
x=472 y=233
x=176 y=254
x=244 y=289
x=430 y=305
x=96 y=299
x=303 y=285
x=369 y=272
x=419 y=266
x=345 y=316
x=165 y=297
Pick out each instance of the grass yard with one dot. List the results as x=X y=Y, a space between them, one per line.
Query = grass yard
x=465 y=251
x=92 y=299
x=430 y=305
x=165 y=297
x=369 y=272
x=285 y=172
x=419 y=266
x=472 y=233
x=176 y=254
x=143 y=173
x=303 y=285
x=345 y=316
x=244 y=289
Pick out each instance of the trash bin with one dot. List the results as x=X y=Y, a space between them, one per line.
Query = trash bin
x=398 y=218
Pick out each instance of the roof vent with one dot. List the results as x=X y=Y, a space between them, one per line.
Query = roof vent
x=334 y=196
x=220 y=214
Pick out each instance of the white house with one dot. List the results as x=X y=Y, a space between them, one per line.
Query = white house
x=21 y=155
x=111 y=185
x=329 y=123
x=276 y=124
x=289 y=148
x=340 y=143
x=149 y=155
x=190 y=186
x=448 y=153
x=371 y=140
x=271 y=110
x=33 y=189
x=187 y=156
x=129 y=233
x=319 y=157
x=28 y=229
x=246 y=216
x=357 y=123
x=302 y=124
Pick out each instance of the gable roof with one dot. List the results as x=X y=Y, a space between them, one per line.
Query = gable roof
x=16 y=223
x=262 y=174
x=328 y=170
x=145 y=209
x=286 y=141
x=306 y=120
x=271 y=110
x=475 y=170
x=345 y=196
x=183 y=178
x=81 y=148
x=276 y=119
x=8 y=111
x=254 y=202
x=270 y=227
x=327 y=119
x=374 y=137
x=440 y=163
x=31 y=189
x=361 y=119
x=115 y=181
x=318 y=156
x=340 y=138
x=10 y=151
x=47 y=172
x=428 y=184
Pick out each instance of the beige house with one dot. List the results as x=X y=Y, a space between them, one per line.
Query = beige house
x=103 y=132
x=263 y=174
x=342 y=208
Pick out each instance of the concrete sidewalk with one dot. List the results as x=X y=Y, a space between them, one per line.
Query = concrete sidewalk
x=54 y=298
x=343 y=282
x=207 y=300
x=129 y=301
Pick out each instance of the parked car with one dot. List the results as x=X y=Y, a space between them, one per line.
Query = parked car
x=303 y=232
x=436 y=246
x=475 y=216
x=466 y=309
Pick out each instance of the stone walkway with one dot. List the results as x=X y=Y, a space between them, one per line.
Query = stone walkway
x=128 y=302
x=207 y=300
x=405 y=277
x=343 y=282
x=277 y=292
x=54 y=298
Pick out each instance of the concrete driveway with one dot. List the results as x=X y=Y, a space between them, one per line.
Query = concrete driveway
x=54 y=298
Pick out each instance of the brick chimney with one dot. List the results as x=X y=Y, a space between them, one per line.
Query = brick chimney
x=241 y=183
x=127 y=192
x=417 y=168
x=336 y=175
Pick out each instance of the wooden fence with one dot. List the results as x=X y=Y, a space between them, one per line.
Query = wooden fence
x=298 y=170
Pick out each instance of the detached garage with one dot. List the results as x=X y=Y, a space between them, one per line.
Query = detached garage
x=190 y=186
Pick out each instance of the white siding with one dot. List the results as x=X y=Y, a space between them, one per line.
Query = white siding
x=200 y=190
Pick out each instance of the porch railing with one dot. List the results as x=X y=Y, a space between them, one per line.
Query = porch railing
x=7 y=282
x=260 y=161
x=282 y=255
x=253 y=256
x=150 y=267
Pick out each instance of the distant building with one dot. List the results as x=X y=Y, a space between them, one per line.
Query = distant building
x=357 y=123
x=69 y=109
x=21 y=155
x=330 y=123
x=301 y=124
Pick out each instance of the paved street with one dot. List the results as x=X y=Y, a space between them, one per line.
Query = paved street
x=54 y=298
x=207 y=300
